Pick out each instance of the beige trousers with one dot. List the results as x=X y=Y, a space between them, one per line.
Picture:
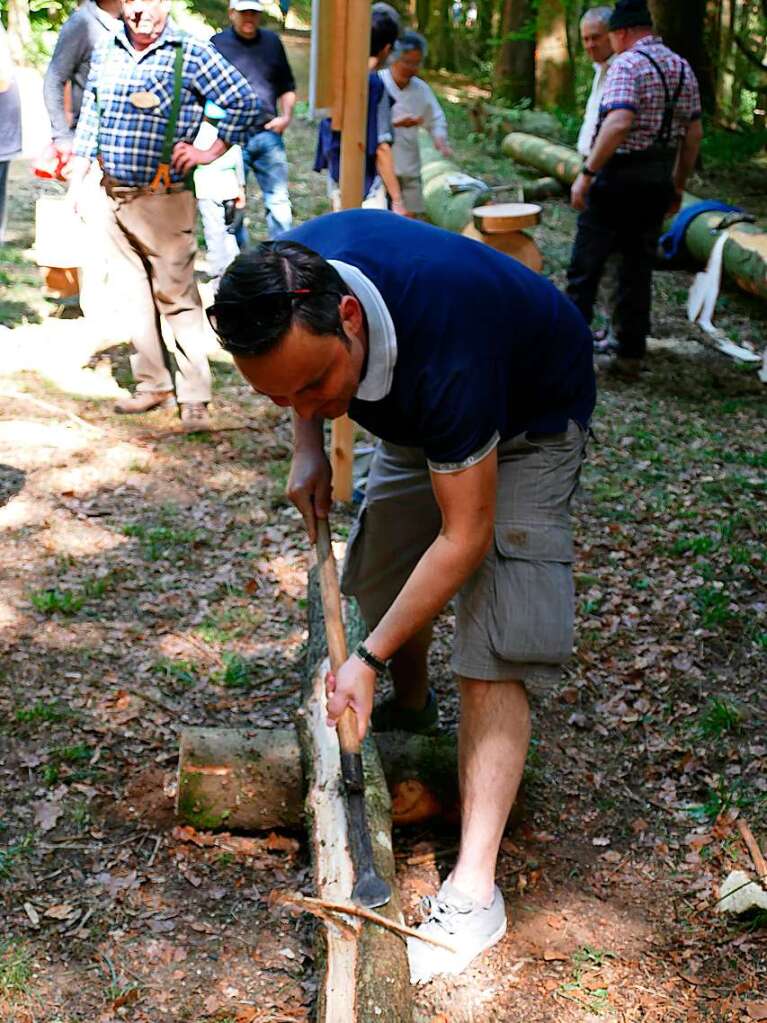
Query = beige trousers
x=152 y=248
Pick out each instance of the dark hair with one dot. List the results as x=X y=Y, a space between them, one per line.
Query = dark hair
x=384 y=29
x=248 y=323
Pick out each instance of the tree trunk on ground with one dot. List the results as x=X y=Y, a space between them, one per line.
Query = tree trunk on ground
x=554 y=69
x=19 y=30
x=251 y=779
x=745 y=252
x=514 y=78
x=363 y=968
x=682 y=28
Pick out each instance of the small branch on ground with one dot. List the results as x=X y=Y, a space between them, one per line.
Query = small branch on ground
x=320 y=907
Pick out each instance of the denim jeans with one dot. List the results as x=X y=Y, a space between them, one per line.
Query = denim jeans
x=264 y=155
x=220 y=243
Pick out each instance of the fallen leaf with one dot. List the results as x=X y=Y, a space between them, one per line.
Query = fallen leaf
x=757 y=1010
x=126 y=998
x=600 y=840
x=62 y=911
x=47 y=813
x=550 y=955
x=34 y=916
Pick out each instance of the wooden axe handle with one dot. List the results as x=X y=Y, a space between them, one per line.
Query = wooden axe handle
x=348 y=735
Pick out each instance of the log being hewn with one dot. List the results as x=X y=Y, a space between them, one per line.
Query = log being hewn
x=445 y=208
x=250 y=779
x=363 y=968
x=745 y=252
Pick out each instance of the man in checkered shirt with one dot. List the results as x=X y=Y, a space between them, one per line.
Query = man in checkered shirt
x=645 y=148
x=142 y=109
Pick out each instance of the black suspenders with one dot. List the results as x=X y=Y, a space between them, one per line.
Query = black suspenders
x=663 y=137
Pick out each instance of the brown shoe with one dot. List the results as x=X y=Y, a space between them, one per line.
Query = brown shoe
x=620 y=367
x=145 y=401
x=194 y=416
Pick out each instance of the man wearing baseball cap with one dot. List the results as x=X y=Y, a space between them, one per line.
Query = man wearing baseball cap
x=647 y=142
x=259 y=55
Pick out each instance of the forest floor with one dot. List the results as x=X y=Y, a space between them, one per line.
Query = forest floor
x=152 y=580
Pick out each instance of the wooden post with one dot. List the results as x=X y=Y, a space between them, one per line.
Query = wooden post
x=353 y=145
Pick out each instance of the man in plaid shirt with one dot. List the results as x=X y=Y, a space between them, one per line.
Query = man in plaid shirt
x=645 y=148
x=142 y=108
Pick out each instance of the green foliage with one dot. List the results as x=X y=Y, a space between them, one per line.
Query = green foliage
x=721 y=148
x=175 y=670
x=54 y=601
x=712 y=604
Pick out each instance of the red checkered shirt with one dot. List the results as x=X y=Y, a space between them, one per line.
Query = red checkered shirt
x=634 y=84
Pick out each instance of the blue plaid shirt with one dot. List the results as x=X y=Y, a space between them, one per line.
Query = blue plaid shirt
x=130 y=140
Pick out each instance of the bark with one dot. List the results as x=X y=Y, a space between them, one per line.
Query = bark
x=443 y=208
x=363 y=968
x=514 y=78
x=251 y=779
x=745 y=252
x=554 y=68
x=485 y=14
x=19 y=30
x=682 y=28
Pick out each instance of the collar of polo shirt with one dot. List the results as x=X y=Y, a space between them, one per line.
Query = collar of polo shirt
x=382 y=338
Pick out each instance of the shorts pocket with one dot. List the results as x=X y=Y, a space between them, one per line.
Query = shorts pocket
x=534 y=602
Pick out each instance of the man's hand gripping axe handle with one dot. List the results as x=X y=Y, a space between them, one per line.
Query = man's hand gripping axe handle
x=370 y=890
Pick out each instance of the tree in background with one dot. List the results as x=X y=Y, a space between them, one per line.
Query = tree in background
x=514 y=77
x=554 y=57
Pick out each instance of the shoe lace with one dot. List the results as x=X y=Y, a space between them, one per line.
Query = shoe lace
x=443 y=914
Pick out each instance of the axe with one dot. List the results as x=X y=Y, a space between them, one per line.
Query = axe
x=370 y=889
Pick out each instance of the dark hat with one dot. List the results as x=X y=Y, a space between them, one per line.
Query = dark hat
x=629 y=14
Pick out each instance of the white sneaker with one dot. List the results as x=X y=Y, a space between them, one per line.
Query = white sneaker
x=456 y=919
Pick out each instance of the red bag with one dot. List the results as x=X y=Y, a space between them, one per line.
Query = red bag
x=51 y=164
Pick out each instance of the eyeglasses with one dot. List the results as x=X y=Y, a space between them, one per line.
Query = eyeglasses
x=262 y=309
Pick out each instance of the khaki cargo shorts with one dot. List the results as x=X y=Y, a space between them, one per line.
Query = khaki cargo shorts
x=514 y=615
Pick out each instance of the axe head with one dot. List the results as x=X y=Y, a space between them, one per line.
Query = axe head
x=370 y=889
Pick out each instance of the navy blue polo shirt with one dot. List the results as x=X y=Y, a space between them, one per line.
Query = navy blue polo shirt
x=486 y=349
x=263 y=61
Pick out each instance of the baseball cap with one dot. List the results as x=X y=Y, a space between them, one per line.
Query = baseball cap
x=246 y=5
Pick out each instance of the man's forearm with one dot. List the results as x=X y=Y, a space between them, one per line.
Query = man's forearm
x=611 y=135
x=287 y=102
x=686 y=158
x=308 y=434
x=385 y=168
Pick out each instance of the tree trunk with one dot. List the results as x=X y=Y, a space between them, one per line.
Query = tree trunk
x=745 y=252
x=554 y=70
x=484 y=27
x=251 y=779
x=364 y=974
x=445 y=48
x=19 y=30
x=514 y=78
x=423 y=16
x=682 y=28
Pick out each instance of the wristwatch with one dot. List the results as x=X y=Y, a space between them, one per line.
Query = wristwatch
x=587 y=171
x=378 y=666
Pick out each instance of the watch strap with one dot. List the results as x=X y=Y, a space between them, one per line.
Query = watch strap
x=378 y=666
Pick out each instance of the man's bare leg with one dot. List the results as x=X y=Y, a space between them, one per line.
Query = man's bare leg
x=409 y=671
x=493 y=737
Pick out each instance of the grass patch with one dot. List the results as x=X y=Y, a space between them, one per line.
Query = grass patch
x=176 y=671
x=15 y=967
x=158 y=541
x=11 y=854
x=234 y=673
x=68 y=602
x=719 y=718
x=713 y=606
x=42 y=712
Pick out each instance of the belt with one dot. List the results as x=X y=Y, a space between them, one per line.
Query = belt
x=117 y=191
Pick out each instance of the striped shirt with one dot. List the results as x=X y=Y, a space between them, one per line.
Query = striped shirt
x=634 y=84
x=129 y=139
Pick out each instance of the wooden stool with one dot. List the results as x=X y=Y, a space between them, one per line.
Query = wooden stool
x=500 y=225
